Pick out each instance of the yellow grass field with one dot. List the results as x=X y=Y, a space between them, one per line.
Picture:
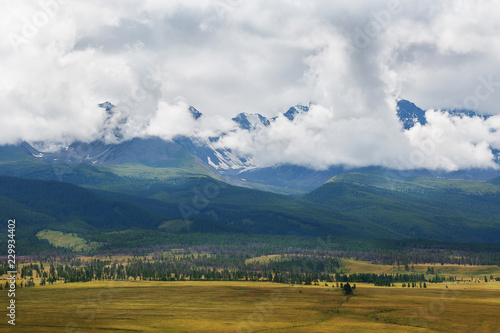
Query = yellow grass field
x=356 y=266
x=253 y=307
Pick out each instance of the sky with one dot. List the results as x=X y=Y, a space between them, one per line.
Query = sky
x=351 y=59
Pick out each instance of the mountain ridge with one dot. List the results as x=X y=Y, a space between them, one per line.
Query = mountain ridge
x=208 y=156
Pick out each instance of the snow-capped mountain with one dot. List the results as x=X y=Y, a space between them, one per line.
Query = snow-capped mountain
x=210 y=153
x=112 y=127
x=208 y=150
x=409 y=114
x=294 y=111
x=195 y=113
x=222 y=158
x=241 y=170
x=153 y=152
x=251 y=121
x=256 y=121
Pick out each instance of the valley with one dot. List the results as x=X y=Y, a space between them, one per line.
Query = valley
x=249 y=166
x=136 y=236
x=242 y=306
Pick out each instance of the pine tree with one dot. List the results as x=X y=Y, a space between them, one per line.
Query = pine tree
x=347 y=290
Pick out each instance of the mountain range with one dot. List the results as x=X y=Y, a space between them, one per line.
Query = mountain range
x=190 y=185
x=219 y=161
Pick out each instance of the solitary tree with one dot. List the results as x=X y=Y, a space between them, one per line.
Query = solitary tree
x=347 y=290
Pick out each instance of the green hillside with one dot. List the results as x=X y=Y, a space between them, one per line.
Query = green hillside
x=17 y=161
x=211 y=201
x=185 y=198
x=67 y=202
x=422 y=208
x=38 y=205
x=393 y=181
x=495 y=181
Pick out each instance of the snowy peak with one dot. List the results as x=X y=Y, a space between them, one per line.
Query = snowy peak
x=153 y=152
x=195 y=113
x=220 y=158
x=223 y=159
x=113 y=124
x=466 y=113
x=107 y=106
x=294 y=111
x=251 y=121
x=409 y=114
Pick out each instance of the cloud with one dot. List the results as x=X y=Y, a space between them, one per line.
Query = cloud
x=451 y=142
x=152 y=59
x=320 y=138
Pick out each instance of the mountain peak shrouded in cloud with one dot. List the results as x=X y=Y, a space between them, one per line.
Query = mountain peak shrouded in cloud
x=306 y=140
x=410 y=114
x=153 y=59
x=195 y=113
x=294 y=110
x=106 y=106
x=112 y=128
x=252 y=121
x=249 y=121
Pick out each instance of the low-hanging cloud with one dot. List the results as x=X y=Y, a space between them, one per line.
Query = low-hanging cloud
x=319 y=139
x=152 y=59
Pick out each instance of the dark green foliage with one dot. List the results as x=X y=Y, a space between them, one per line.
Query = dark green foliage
x=341 y=209
x=230 y=266
x=444 y=214
x=384 y=280
x=347 y=290
x=38 y=205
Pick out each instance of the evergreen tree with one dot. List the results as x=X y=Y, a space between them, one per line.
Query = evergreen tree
x=347 y=290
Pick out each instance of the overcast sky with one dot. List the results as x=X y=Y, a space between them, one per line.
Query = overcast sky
x=352 y=59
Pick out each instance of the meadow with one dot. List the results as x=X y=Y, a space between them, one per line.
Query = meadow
x=234 y=306
x=205 y=289
x=66 y=240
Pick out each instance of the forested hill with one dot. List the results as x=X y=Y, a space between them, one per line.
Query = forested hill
x=424 y=207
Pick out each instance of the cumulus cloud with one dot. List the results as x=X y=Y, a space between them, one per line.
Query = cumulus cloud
x=321 y=138
x=451 y=142
x=152 y=59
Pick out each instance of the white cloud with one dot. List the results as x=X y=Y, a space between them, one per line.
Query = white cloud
x=453 y=143
x=319 y=139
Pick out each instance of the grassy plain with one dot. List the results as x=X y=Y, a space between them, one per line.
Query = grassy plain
x=238 y=306
x=465 y=271
x=198 y=306
x=66 y=240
